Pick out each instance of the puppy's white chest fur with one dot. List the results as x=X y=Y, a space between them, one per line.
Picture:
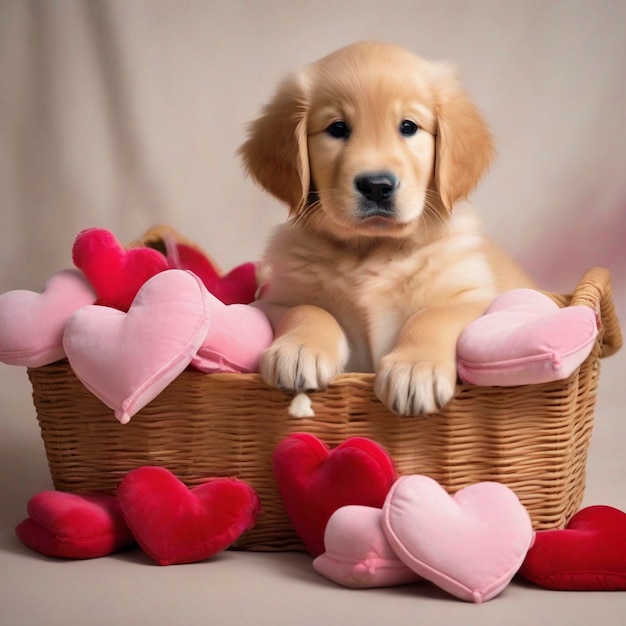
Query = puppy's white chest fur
x=373 y=291
x=376 y=297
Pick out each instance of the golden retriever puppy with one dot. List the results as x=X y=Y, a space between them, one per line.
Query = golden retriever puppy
x=381 y=264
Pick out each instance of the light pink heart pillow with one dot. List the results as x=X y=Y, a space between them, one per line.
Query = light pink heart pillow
x=524 y=338
x=238 y=336
x=31 y=324
x=358 y=554
x=471 y=545
x=127 y=359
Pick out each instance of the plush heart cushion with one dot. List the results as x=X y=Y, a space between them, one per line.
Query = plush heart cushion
x=314 y=481
x=238 y=286
x=524 y=338
x=588 y=555
x=74 y=526
x=236 y=339
x=174 y=524
x=31 y=324
x=470 y=544
x=127 y=359
x=357 y=553
x=116 y=274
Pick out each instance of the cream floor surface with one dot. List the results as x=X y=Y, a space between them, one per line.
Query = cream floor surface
x=256 y=588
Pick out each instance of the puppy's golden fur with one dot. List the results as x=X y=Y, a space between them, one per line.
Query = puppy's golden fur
x=382 y=262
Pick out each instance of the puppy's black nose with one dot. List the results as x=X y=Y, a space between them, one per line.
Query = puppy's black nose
x=376 y=187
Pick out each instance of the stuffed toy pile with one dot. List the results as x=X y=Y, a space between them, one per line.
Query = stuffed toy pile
x=131 y=319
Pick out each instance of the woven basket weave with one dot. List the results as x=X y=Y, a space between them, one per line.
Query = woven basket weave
x=532 y=438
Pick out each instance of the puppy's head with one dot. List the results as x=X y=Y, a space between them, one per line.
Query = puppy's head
x=367 y=139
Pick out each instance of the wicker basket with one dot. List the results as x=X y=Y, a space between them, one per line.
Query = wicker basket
x=532 y=438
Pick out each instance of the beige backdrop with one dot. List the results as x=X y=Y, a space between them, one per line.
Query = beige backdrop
x=121 y=114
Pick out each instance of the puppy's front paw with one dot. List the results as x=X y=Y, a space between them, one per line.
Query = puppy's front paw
x=407 y=387
x=294 y=366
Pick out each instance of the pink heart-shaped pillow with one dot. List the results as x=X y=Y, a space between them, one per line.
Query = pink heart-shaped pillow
x=127 y=359
x=174 y=524
x=358 y=554
x=115 y=273
x=32 y=324
x=470 y=544
x=314 y=481
x=524 y=338
x=238 y=336
x=74 y=526
x=588 y=555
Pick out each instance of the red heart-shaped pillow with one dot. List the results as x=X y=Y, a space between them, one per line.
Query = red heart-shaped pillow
x=588 y=555
x=116 y=274
x=174 y=524
x=74 y=526
x=239 y=286
x=314 y=481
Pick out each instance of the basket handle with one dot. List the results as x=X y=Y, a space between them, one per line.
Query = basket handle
x=594 y=290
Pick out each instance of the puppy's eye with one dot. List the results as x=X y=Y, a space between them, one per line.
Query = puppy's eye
x=338 y=130
x=408 y=128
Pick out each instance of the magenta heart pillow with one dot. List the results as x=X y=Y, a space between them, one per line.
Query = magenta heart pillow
x=116 y=274
x=524 y=338
x=357 y=553
x=315 y=481
x=74 y=526
x=588 y=555
x=127 y=359
x=238 y=336
x=32 y=324
x=174 y=524
x=470 y=544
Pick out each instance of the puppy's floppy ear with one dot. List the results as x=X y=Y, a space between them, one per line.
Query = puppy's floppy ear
x=276 y=154
x=464 y=147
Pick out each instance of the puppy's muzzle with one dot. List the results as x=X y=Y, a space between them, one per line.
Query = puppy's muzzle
x=377 y=192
